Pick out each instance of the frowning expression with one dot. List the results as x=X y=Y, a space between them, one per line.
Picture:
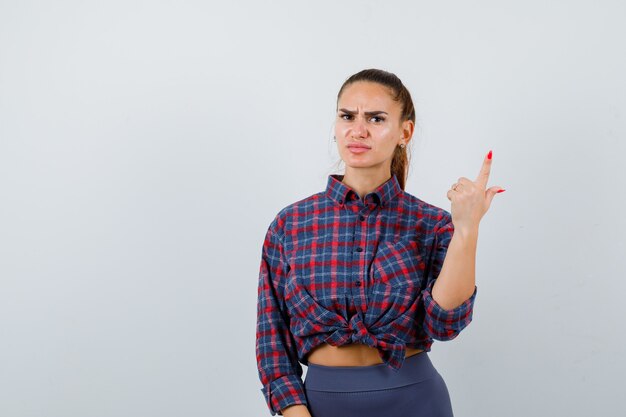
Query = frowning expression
x=367 y=126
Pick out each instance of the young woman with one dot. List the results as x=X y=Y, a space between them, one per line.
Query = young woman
x=357 y=280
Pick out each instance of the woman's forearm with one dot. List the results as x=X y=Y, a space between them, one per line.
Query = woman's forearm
x=457 y=277
x=296 y=410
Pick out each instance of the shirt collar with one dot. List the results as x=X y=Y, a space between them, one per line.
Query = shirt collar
x=340 y=192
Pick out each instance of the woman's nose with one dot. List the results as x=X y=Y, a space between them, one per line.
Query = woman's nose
x=359 y=128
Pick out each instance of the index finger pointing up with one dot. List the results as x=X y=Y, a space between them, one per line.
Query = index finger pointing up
x=483 y=176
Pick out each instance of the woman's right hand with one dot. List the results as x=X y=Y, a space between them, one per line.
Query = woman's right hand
x=296 y=410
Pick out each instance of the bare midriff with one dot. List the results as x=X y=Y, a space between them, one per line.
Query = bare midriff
x=353 y=354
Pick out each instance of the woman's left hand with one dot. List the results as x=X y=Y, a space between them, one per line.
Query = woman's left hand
x=471 y=199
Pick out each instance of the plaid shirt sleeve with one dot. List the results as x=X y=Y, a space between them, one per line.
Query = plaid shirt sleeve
x=279 y=370
x=443 y=324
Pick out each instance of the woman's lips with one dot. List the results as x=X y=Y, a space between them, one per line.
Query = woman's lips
x=358 y=149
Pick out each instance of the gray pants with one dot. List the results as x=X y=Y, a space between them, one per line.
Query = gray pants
x=416 y=390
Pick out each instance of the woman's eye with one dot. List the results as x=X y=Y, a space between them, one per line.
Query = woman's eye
x=379 y=119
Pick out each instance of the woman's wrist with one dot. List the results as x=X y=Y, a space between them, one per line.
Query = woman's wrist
x=296 y=410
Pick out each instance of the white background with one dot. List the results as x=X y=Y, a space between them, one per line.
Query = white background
x=146 y=146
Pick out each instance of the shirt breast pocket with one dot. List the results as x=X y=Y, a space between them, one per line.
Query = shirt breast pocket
x=398 y=264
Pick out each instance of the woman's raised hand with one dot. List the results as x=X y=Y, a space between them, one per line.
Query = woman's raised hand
x=471 y=199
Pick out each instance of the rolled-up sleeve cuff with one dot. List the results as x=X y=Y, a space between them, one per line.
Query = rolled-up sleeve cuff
x=284 y=391
x=443 y=324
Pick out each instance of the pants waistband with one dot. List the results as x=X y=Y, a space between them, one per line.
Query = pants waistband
x=415 y=368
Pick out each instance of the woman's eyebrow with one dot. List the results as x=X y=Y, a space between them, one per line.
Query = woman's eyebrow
x=367 y=113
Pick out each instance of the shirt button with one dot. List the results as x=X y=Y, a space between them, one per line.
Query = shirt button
x=358 y=283
x=359 y=249
x=361 y=217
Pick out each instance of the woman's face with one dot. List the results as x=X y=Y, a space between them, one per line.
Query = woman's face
x=367 y=127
